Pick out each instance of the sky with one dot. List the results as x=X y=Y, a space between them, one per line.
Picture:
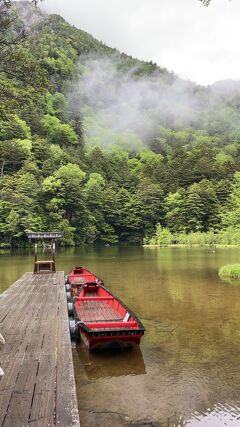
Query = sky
x=197 y=43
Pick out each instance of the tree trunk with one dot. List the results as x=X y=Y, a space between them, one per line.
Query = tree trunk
x=2 y=168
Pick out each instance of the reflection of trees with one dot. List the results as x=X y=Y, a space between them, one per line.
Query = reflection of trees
x=192 y=343
x=191 y=347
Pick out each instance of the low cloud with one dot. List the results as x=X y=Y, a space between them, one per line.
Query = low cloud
x=123 y=101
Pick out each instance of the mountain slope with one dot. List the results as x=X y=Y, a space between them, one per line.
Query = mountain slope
x=107 y=147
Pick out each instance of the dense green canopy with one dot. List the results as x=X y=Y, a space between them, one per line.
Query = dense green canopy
x=106 y=147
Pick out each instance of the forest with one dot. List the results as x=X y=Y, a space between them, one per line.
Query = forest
x=108 y=148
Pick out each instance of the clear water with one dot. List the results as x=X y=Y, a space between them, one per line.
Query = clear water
x=187 y=369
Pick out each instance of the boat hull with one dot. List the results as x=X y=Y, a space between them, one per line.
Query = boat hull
x=104 y=321
x=110 y=342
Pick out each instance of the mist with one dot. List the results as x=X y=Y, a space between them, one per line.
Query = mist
x=126 y=106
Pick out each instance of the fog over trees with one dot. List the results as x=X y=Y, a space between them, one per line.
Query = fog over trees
x=109 y=148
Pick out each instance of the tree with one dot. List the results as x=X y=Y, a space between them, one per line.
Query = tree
x=21 y=77
x=193 y=212
x=12 y=225
x=101 y=209
x=64 y=201
x=41 y=150
x=150 y=196
x=56 y=104
x=149 y=162
x=97 y=161
x=56 y=158
x=93 y=191
x=129 y=225
x=19 y=208
x=173 y=207
x=210 y=219
x=13 y=128
x=57 y=132
x=13 y=153
x=163 y=236
x=231 y=214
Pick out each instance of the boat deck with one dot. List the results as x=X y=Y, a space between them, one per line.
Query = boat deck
x=97 y=311
x=38 y=386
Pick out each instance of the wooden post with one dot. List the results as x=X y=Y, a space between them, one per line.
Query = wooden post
x=53 y=250
x=35 y=250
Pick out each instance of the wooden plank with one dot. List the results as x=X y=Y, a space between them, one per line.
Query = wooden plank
x=7 y=308
x=13 y=371
x=98 y=311
x=37 y=357
x=66 y=402
x=43 y=400
x=21 y=397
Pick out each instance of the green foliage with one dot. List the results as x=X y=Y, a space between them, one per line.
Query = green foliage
x=195 y=239
x=56 y=104
x=13 y=128
x=65 y=166
x=57 y=132
x=231 y=216
x=21 y=77
x=174 y=211
x=228 y=236
x=13 y=153
x=230 y=271
x=163 y=236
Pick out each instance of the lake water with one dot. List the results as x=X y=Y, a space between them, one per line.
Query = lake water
x=187 y=369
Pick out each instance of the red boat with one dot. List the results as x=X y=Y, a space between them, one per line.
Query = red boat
x=103 y=321
x=78 y=277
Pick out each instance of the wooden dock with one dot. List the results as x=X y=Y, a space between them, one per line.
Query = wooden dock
x=38 y=386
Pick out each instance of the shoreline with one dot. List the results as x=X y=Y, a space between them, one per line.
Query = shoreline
x=197 y=245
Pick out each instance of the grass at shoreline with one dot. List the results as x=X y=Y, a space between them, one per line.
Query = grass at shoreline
x=189 y=245
x=230 y=237
x=230 y=271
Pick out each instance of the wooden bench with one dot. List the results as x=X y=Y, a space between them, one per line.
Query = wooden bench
x=95 y=298
x=44 y=267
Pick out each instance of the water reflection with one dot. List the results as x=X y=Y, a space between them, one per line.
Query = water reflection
x=187 y=372
x=221 y=415
x=108 y=364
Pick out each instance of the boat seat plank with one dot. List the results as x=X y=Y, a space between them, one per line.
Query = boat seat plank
x=115 y=324
x=91 y=294
x=97 y=311
x=95 y=298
